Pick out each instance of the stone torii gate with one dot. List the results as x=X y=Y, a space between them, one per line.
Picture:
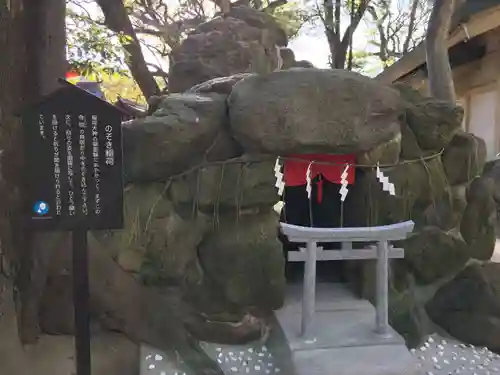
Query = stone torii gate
x=313 y=253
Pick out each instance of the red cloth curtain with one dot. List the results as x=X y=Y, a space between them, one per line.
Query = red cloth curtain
x=295 y=170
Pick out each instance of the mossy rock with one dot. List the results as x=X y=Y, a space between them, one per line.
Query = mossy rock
x=417 y=184
x=433 y=122
x=223 y=187
x=410 y=149
x=444 y=213
x=409 y=93
x=184 y=131
x=156 y=243
x=478 y=223
x=386 y=153
x=142 y=205
x=406 y=318
x=464 y=158
x=244 y=259
x=432 y=254
x=468 y=307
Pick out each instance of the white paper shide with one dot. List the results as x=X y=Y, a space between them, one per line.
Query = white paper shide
x=384 y=180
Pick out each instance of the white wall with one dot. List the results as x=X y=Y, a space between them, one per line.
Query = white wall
x=481 y=116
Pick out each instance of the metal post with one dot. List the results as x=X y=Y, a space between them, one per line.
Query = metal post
x=309 y=291
x=382 y=293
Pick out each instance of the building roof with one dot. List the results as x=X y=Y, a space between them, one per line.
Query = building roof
x=479 y=16
x=472 y=7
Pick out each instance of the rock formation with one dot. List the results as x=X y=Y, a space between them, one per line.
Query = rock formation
x=246 y=40
x=468 y=307
x=199 y=252
x=199 y=203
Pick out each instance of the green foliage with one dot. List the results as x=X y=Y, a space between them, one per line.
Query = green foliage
x=117 y=85
x=291 y=17
x=93 y=48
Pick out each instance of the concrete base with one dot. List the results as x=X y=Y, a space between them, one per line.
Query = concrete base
x=342 y=340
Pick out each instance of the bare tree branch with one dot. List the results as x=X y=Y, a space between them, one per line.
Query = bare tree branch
x=117 y=19
x=400 y=26
x=411 y=25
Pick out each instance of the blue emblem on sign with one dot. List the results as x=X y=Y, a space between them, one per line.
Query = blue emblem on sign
x=41 y=208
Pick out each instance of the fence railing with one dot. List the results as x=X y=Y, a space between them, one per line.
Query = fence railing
x=382 y=252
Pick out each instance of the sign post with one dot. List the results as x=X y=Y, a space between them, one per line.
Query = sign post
x=81 y=302
x=74 y=182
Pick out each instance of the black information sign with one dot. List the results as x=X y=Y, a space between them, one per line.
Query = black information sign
x=73 y=146
x=74 y=162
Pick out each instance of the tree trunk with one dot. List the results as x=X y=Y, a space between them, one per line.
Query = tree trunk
x=351 y=39
x=46 y=63
x=117 y=19
x=438 y=64
x=32 y=36
x=12 y=72
x=332 y=25
x=339 y=45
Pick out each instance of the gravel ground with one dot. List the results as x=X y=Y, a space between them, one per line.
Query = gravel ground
x=273 y=358
x=441 y=356
x=237 y=360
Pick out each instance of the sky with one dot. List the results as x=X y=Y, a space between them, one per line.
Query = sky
x=311 y=44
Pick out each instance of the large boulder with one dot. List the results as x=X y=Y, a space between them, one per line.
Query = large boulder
x=313 y=110
x=303 y=64
x=408 y=316
x=479 y=219
x=444 y=213
x=288 y=58
x=262 y=21
x=468 y=307
x=433 y=122
x=244 y=41
x=410 y=149
x=492 y=171
x=180 y=134
x=289 y=62
x=220 y=85
x=385 y=153
x=432 y=254
x=245 y=260
x=464 y=158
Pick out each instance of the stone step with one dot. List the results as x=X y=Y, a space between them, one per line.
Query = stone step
x=359 y=360
x=342 y=339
